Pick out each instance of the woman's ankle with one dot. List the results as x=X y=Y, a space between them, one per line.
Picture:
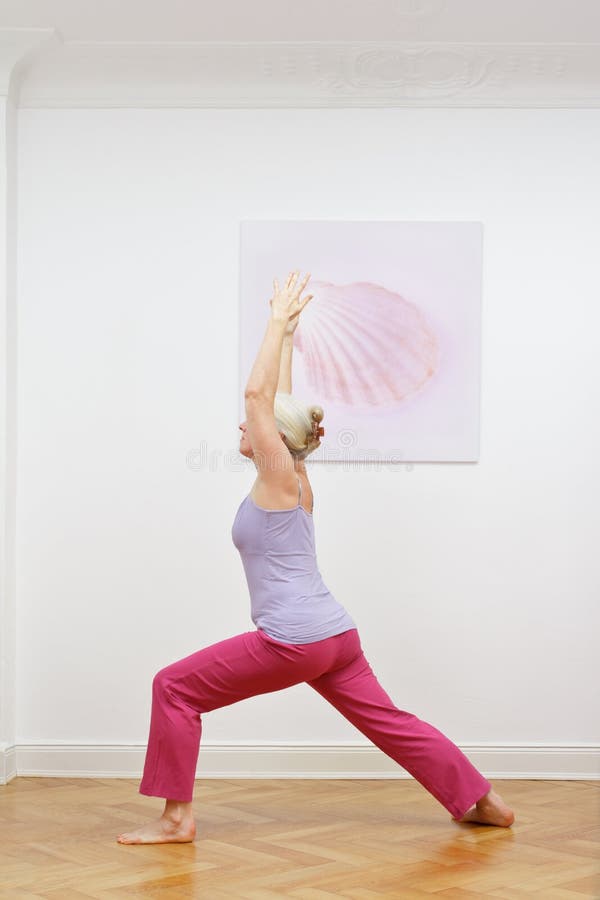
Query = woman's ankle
x=484 y=801
x=177 y=811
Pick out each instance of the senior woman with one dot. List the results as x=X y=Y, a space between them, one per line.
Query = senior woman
x=302 y=633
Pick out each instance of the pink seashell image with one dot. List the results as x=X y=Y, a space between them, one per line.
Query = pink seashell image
x=364 y=345
x=389 y=345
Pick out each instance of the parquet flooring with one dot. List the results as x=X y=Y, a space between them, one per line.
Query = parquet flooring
x=310 y=839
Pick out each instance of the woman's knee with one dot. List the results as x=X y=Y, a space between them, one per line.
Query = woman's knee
x=163 y=677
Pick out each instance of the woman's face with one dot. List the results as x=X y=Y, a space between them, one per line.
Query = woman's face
x=245 y=446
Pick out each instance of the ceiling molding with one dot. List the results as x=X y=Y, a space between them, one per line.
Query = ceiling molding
x=19 y=47
x=313 y=74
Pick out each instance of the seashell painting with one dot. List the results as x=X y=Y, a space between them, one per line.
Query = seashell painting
x=364 y=345
x=389 y=345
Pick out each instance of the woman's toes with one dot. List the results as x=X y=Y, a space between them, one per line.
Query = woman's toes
x=494 y=812
x=126 y=838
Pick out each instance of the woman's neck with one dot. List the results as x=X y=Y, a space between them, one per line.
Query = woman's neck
x=299 y=466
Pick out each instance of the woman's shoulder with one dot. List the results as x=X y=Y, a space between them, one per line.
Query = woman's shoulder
x=283 y=495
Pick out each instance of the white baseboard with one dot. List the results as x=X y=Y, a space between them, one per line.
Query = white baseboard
x=8 y=763
x=349 y=760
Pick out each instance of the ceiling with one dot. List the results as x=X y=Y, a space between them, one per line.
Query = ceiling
x=548 y=21
x=313 y=53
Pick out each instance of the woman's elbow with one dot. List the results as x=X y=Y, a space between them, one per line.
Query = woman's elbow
x=254 y=395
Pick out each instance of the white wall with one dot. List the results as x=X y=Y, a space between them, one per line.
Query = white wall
x=474 y=586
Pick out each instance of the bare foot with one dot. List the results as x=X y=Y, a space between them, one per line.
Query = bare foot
x=166 y=830
x=490 y=810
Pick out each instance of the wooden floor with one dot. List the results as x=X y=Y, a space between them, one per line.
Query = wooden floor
x=309 y=839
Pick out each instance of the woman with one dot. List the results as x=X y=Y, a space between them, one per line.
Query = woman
x=303 y=634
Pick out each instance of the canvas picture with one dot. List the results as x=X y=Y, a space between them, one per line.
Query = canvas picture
x=390 y=343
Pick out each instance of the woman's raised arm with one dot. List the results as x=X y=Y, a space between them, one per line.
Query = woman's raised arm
x=285 y=366
x=286 y=306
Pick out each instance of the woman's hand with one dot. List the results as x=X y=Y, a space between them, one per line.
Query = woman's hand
x=286 y=303
x=291 y=326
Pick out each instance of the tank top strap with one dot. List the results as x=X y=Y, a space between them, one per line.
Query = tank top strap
x=299 y=490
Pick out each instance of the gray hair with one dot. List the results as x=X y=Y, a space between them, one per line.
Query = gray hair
x=299 y=423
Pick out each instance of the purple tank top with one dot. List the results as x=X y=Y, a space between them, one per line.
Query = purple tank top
x=289 y=600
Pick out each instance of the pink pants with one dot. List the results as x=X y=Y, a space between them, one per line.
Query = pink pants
x=253 y=663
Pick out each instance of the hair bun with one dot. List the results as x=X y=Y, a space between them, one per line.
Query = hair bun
x=316 y=414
